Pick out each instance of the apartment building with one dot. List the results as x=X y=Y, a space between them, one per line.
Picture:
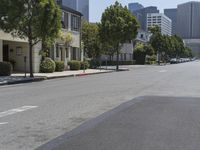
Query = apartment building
x=16 y=49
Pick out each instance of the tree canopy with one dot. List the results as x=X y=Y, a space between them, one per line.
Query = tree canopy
x=90 y=37
x=117 y=26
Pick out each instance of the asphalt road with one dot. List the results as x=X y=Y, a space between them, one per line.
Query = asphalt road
x=146 y=123
x=34 y=114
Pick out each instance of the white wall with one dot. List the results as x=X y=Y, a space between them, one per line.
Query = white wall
x=19 y=58
x=9 y=37
x=127 y=49
x=37 y=57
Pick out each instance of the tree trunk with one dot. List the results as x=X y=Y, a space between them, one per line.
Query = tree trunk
x=117 y=65
x=110 y=58
x=31 y=58
x=133 y=42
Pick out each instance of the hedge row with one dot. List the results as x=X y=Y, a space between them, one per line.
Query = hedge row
x=78 y=65
x=47 y=66
x=113 y=63
x=50 y=66
x=5 y=68
x=60 y=66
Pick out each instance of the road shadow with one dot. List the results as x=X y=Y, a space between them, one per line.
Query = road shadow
x=144 y=123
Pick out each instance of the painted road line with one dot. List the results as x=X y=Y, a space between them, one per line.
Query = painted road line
x=16 y=110
x=3 y=123
x=162 y=71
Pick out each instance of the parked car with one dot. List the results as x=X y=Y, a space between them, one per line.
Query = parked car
x=193 y=59
x=173 y=61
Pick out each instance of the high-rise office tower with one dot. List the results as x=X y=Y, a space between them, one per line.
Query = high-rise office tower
x=79 y=5
x=141 y=15
x=135 y=6
x=188 y=25
x=188 y=20
x=172 y=14
x=160 y=20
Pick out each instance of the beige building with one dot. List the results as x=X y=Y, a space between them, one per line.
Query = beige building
x=16 y=49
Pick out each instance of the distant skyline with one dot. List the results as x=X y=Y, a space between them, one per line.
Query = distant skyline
x=97 y=7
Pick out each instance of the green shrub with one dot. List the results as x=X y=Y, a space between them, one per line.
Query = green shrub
x=85 y=65
x=13 y=62
x=150 y=59
x=113 y=63
x=152 y=62
x=94 y=63
x=74 y=65
x=47 y=66
x=5 y=68
x=60 y=66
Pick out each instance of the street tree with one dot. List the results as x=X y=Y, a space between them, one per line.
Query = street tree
x=179 y=45
x=156 y=42
x=154 y=29
x=34 y=20
x=187 y=52
x=141 y=51
x=118 y=26
x=90 y=37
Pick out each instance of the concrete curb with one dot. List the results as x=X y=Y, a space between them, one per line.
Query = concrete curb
x=37 y=79
x=28 y=80
x=79 y=75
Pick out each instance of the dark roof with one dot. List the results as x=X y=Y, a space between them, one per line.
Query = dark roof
x=71 y=10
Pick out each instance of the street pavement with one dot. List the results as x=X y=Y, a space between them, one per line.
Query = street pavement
x=36 y=113
x=146 y=123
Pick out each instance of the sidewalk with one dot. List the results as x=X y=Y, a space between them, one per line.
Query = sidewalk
x=66 y=73
x=18 y=78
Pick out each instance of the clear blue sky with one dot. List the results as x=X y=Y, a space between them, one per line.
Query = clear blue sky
x=98 y=6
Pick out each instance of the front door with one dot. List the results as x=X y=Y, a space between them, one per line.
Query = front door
x=5 y=53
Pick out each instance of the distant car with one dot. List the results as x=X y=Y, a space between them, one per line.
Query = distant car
x=179 y=60
x=193 y=59
x=182 y=60
x=173 y=61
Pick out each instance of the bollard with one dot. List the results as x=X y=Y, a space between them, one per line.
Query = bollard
x=25 y=72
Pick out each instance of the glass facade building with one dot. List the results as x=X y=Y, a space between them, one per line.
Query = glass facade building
x=172 y=14
x=188 y=20
x=141 y=16
x=78 y=5
x=135 y=6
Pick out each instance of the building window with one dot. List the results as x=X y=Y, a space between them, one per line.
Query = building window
x=67 y=52
x=130 y=55
x=73 y=53
x=121 y=57
x=61 y=52
x=57 y=51
x=64 y=20
x=124 y=57
x=75 y=23
x=66 y=16
x=59 y=2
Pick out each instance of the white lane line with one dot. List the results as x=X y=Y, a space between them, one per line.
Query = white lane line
x=3 y=123
x=16 y=110
x=162 y=71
